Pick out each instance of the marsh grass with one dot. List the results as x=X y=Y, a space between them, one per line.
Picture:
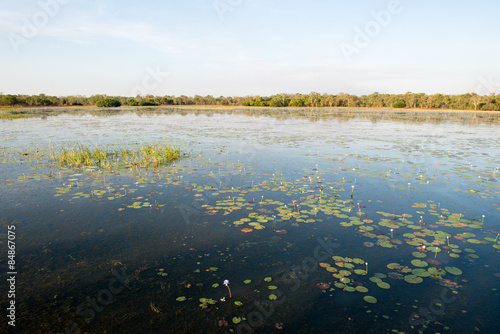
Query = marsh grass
x=13 y=116
x=142 y=156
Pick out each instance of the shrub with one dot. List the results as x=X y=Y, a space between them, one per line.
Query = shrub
x=490 y=107
x=108 y=103
x=148 y=103
x=399 y=104
x=297 y=103
x=132 y=102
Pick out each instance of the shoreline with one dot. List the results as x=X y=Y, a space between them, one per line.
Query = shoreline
x=215 y=107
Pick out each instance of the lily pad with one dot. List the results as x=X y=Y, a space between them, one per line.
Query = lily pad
x=362 y=289
x=238 y=303
x=272 y=287
x=370 y=299
x=453 y=270
x=236 y=320
x=268 y=279
x=393 y=265
x=384 y=285
x=273 y=297
x=419 y=254
x=181 y=298
x=247 y=281
x=421 y=272
x=419 y=263
x=413 y=279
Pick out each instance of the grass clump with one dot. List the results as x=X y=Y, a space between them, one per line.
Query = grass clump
x=142 y=156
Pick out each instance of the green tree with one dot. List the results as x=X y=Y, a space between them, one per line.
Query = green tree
x=9 y=100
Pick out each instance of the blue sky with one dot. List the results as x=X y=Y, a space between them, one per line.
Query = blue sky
x=248 y=47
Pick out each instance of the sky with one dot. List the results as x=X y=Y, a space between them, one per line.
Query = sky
x=248 y=47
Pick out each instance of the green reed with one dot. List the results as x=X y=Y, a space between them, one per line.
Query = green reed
x=142 y=156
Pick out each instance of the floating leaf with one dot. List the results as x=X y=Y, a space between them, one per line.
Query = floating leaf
x=247 y=281
x=393 y=265
x=362 y=289
x=238 y=303
x=453 y=270
x=419 y=263
x=419 y=254
x=181 y=299
x=413 y=279
x=273 y=297
x=370 y=299
x=384 y=285
x=268 y=279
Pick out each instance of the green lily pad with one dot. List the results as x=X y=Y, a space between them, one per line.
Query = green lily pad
x=370 y=299
x=345 y=280
x=268 y=279
x=247 y=281
x=384 y=285
x=181 y=299
x=238 y=303
x=272 y=287
x=360 y=271
x=216 y=285
x=453 y=270
x=419 y=263
x=419 y=254
x=421 y=272
x=362 y=289
x=413 y=279
x=375 y=279
x=273 y=297
x=435 y=271
x=236 y=320
x=393 y=265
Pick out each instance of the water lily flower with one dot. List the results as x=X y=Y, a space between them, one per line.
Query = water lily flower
x=226 y=283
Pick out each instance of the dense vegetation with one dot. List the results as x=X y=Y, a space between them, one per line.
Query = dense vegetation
x=408 y=100
x=108 y=103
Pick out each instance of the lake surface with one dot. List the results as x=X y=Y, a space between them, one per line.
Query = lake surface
x=322 y=221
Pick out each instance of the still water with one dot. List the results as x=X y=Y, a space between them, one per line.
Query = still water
x=320 y=221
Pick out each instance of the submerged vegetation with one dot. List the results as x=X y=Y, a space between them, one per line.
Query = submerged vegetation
x=143 y=156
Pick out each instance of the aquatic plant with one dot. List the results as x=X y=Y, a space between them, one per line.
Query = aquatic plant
x=226 y=283
x=142 y=156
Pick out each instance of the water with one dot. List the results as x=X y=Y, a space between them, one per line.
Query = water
x=90 y=259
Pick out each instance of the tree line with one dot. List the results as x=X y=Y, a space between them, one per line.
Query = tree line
x=467 y=101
